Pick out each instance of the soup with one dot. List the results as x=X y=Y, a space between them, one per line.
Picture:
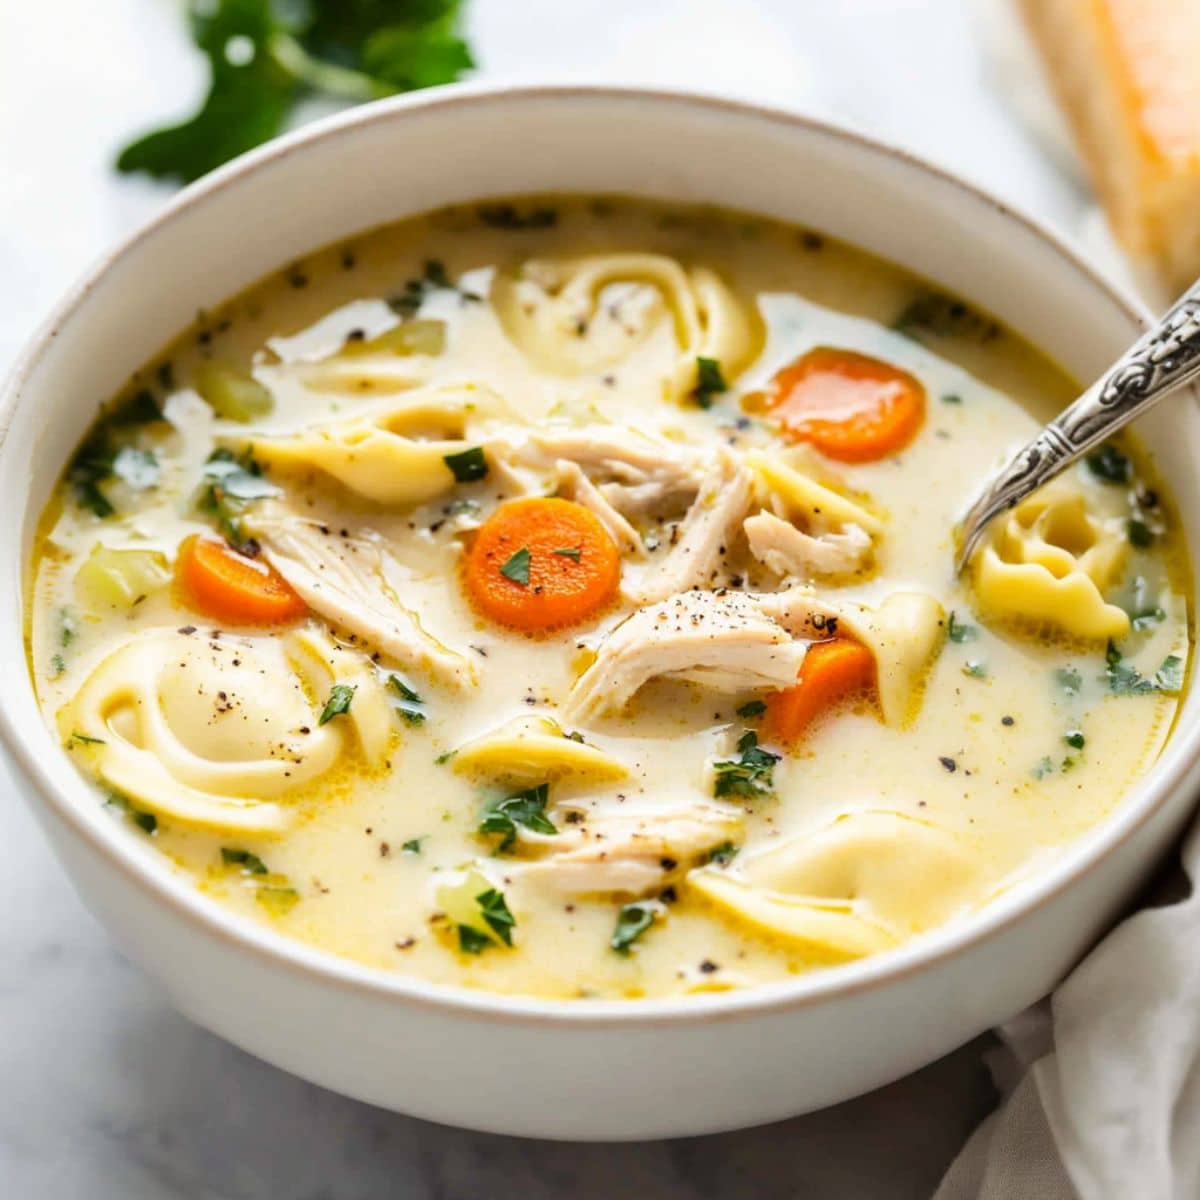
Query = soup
x=555 y=596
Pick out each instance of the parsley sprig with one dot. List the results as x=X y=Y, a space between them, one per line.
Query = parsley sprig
x=508 y=815
x=751 y=774
x=265 y=56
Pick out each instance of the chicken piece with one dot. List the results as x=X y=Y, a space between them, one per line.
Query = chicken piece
x=632 y=852
x=623 y=455
x=703 y=538
x=794 y=554
x=721 y=640
x=575 y=485
x=342 y=580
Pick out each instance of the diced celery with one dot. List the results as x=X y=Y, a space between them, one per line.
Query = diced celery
x=232 y=392
x=409 y=337
x=112 y=578
x=459 y=901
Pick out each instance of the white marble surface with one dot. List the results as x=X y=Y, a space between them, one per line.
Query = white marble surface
x=105 y=1093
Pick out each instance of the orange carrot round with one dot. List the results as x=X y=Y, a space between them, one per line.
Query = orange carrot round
x=541 y=563
x=219 y=582
x=831 y=671
x=849 y=406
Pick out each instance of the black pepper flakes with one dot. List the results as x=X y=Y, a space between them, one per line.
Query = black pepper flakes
x=948 y=763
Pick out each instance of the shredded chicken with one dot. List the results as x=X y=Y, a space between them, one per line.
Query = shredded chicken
x=632 y=852
x=342 y=580
x=720 y=639
x=703 y=538
x=575 y=485
x=794 y=554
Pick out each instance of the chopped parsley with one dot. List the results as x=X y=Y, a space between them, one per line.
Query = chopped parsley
x=471 y=941
x=1147 y=617
x=412 y=846
x=1075 y=739
x=951 y=398
x=229 y=482
x=340 y=697
x=974 y=669
x=496 y=913
x=467 y=466
x=525 y=810
x=58 y=663
x=752 y=708
x=137 y=468
x=1109 y=465
x=517 y=568
x=1140 y=534
x=710 y=382
x=1125 y=680
x=751 y=774
x=277 y=900
x=569 y=552
x=722 y=854
x=147 y=822
x=1069 y=679
x=944 y=316
x=1044 y=767
x=632 y=921
x=407 y=302
x=250 y=863
x=959 y=632
x=409 y=704
x=83 y=739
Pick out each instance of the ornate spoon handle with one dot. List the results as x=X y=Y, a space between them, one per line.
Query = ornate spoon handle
x=1163 y=359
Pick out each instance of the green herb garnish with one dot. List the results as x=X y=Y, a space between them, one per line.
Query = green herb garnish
x=84 y=739
x=723 y=853
x=229 y=483
x=751 y=774
x=137 y=468
x=507 y=216
x=340 y=696
x=1125 y=680
x=265 y=57
x=710 y=382
x=526 y=810
x=959 y=632
x=1075 y=739
x=58 y=664
x=467 y=465
x=1044 y=767
x=976 y=670
x=277 y=900
x=951 y=398
x=496 y=913
x=147 y=822
x=250 y=863
x=1069 y=679
x=944 y=316
x=517 y=568
x=412 y=846
x=472 y=941
x=1109 y=464
x=569 y=552
x=1147 y=617
x=408 y=706
x=752 y=708
x=632 y=921
x=1140 y=534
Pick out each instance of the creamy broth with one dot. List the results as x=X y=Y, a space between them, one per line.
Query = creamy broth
x=329 y=776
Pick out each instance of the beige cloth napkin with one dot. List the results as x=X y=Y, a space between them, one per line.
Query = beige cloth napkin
x=1102 y=1082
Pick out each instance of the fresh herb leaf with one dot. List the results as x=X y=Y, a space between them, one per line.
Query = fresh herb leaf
x=569 y=552
x=264 y=57
x=1075 y=739
x=1069 y=679
x=1168 y=679
x=147 y=822
x=497 y=915
x=752 y=708
x=1140 y=534
x=444 y=758
x=751 y=774
x=412 y=846
x=340 y=696
x=229 y=483
x=68 y=628
x=250 y=863
x=722 y=854
x=526 y=809
x=138 y=468
x=710 y=382
x=467 y=465
x=408 y=706
x=1109 y=464
x=472 y=941
x=58 y=663
x=1146 y=618
x=632 y=921
x=959 y=632
x=1044 y=767
x=83 y=739
x=944 y=316
x=407 y=302
x=517 y=568
x=277 y=900
x=951 y=398
x=976 y=670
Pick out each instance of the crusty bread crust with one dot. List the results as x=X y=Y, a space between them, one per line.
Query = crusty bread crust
x=1127 y=73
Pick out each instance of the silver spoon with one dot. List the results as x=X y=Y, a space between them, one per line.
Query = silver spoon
x=1162 y=360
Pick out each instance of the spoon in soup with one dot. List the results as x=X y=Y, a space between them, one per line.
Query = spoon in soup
x=1162 y=360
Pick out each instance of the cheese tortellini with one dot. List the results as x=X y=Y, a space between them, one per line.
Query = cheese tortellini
x=214 y=731
x=1050 y=561
x=531 y=749
x=574 y=316
x=866 y=882
x=396 y=456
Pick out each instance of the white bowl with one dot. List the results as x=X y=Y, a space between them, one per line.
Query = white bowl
x=584 y=1069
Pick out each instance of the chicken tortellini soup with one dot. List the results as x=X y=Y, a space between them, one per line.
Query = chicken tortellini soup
x=555 y=596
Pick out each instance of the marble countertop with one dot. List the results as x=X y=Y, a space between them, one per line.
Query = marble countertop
x=105 y=1092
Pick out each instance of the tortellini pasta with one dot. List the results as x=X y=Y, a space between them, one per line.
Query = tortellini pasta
x=215 y=731
x=531 y=749
x=1050 y=561
x=864 y=883
x=579 y=315
x=396 y=456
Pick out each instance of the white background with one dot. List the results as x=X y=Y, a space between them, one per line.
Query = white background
x=105 y=1093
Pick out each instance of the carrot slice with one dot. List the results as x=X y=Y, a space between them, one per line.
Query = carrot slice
x=220 y=582
x=851 y=407
x=831 y=671
x=541 y=563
